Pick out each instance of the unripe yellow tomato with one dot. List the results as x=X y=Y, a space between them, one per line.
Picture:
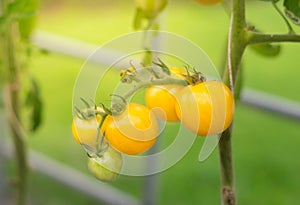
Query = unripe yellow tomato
x=85 y=130
x=151 y=8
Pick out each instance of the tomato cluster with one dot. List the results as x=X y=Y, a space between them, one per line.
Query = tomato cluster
x=204 y=107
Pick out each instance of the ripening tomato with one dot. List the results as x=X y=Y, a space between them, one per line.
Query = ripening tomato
x=206 y=108
x=161 y=98
x=133 y=131
x=85 y=130
x=177 y=73
x=151 y=8
x=208 y=2
x=162 y=101
x=107 y=167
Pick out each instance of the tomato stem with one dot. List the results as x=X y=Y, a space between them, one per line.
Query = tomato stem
x=256 y=38
x=291 y=30
x=12 y=74
x=164 y=81
x=99 y=146
x=237 y=42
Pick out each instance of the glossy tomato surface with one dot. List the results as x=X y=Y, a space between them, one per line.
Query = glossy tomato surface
x=85 y=130
x=106 y=167
x=132 y=132
x=161 y=99
x=206 y=108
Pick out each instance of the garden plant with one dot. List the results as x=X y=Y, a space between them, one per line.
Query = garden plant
x=183 y=95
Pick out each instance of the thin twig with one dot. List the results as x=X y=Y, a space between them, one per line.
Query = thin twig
x=291 y=30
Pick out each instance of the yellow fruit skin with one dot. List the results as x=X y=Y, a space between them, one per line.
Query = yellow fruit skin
x=132 y=132
x=206 y=108
x=162 y=101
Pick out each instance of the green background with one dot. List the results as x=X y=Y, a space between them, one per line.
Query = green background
x=265 y=145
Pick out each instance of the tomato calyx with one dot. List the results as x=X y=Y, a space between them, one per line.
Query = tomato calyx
x=165 y=69
x=194 y=77
x=98 y=115
x=88 y=113
x=118 y=104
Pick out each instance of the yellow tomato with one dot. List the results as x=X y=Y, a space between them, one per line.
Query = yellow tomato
x=85 y=130
x=132 y=132
x=206 y=108
x=177 y=72
x=162 y=101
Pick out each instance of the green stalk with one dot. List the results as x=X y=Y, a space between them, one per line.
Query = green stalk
x=164 y=81
x=12 y=104
x=291 y=30
x=255 y=38
x=237 y=43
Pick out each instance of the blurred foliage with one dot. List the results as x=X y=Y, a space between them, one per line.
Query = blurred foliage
x=268 y=171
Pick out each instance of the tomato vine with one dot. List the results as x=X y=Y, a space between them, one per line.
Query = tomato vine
x=241 y=36
x=16 y=24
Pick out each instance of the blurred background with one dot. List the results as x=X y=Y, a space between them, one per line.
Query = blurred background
x=265 y=144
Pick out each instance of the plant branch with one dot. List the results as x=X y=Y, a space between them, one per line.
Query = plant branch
x=237 y=42
x=291 y=30
x=144 y=84
x=255 y=38
x=12 y=104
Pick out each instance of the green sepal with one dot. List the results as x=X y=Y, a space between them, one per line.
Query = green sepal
x=163 y=66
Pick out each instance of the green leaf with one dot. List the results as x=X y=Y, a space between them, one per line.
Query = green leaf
x=267 y=50
x=34 y=102
x=292 y=10
x=26 y=26
x=23 y=6
x=27 y=18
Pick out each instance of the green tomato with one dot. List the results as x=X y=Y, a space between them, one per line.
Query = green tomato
x=151 y=8
x=107 y=167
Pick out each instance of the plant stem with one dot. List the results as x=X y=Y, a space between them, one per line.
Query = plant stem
x=255 y=38
x=164 y=81
x=237 y=43
x=291 y=30
x=12 y=104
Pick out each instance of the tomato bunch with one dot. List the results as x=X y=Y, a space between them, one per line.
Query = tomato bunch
x=173 y=95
